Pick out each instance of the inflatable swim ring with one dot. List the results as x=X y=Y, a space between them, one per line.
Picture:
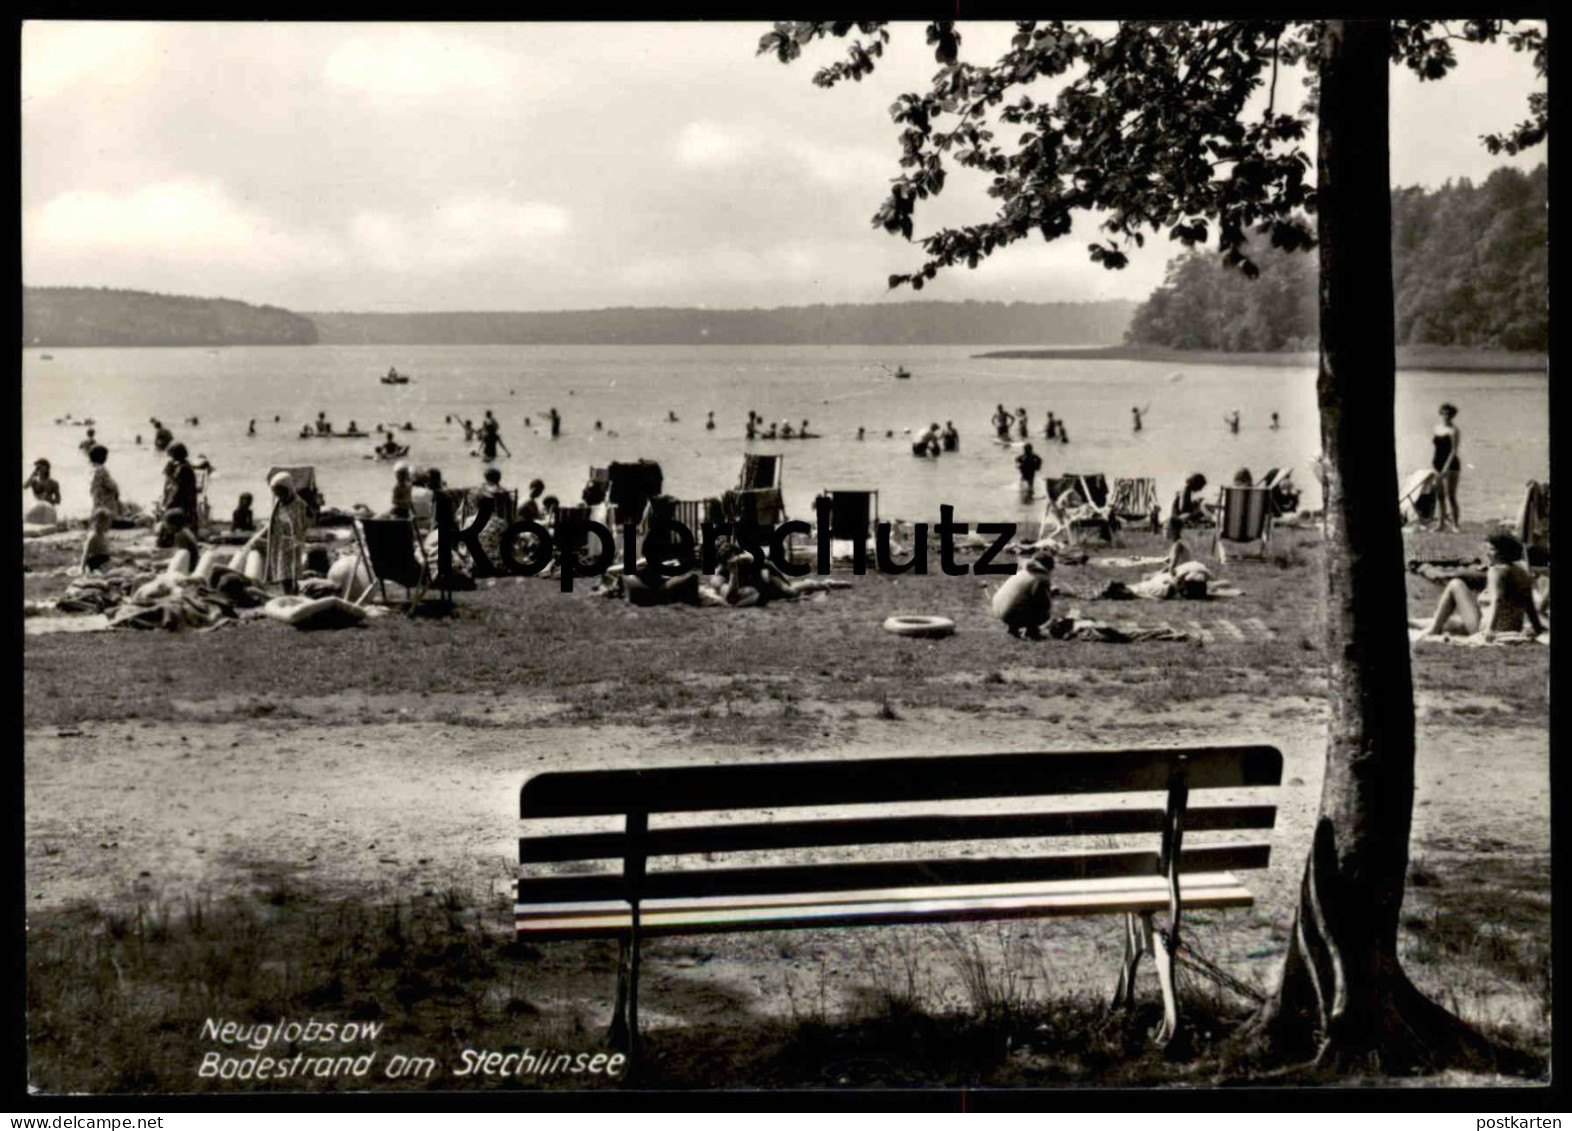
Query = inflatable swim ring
x=923 y=627
x=321 y=612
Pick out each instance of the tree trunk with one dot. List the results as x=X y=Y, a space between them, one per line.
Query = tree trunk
x=1344 y=999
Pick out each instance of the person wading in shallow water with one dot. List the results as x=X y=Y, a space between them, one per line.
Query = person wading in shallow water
x=1029 y=463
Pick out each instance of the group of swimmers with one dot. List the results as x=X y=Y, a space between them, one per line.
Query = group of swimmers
x=757 y=430
x=1005 y=423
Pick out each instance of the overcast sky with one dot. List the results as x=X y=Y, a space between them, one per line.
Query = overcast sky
x=538 y=166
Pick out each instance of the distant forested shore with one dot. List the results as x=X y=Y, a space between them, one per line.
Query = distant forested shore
x=1471 y=270
x=892 y=323
x=1458 y=358
x=86 y=316
x=100 y=316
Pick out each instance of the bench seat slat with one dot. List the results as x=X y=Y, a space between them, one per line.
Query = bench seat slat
x=610 y=919
x=885 y=874
x=586 y=793
x=756 y=836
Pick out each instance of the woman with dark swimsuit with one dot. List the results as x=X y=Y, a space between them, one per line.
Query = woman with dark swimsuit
x=1447 y=465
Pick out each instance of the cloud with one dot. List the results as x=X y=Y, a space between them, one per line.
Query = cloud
x=460 y=231
x=710 y=145
x=707 y=144
x=410 y=63
x=61 y=56
x=184 y=222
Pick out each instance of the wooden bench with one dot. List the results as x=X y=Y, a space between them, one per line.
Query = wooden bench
x=668 y=880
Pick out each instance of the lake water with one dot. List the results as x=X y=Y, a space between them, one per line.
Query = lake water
x=1504 y=419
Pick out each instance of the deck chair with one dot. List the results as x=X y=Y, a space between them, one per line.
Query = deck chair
x=1134 y=500
x=392 y=551
x=1093 y=511
x=1282 y=495
x=692 y=513
x=1244 y=517
x=763 y=507
x=1533 y=524
x=853 y=514
x=1417 y=502
x=759 y=472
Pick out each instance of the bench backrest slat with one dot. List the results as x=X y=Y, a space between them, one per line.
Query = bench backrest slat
x=824 y=878
x=887 y=830
x=891 y=780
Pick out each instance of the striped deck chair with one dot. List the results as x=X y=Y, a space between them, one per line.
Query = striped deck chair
x=1082 y=501
x=1134 y=500
x=694 y=513
x=1244 y=516
x=759 y=472
x=392 y=552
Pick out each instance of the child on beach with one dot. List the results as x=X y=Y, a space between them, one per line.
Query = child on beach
x=95 y=551
x=242 y=519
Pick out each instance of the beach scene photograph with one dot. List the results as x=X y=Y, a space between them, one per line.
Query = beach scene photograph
x=757 y=559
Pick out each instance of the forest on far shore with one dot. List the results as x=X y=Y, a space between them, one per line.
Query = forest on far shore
x=1470 y=268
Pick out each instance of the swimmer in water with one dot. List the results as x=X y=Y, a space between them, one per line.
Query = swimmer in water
x=1051 y=429
x=1276 y=424
x=709 y=423
x=1135 y=416
x=1001 y=422
x=597 y=426
x=861 y=432
x=251 y=429
x=671 y=416
x=1232 y=420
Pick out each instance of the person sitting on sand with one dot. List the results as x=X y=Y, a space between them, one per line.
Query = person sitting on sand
x=548 y=512
x=1188 y=507
x=95 y=551
x=174 y=532
x=1509 y=598
x=43 y=486
x=242 y=521
x=530 y=509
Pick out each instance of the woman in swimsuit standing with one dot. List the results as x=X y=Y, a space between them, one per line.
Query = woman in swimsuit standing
x=1447 y=464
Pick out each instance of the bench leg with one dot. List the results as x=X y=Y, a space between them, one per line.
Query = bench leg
x=618 y=1034
x=624 y=1033
x=1135 y=935
x=1163 y=959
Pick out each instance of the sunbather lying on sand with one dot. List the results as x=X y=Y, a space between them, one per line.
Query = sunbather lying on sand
x=1509 y=598
x=750 y=581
